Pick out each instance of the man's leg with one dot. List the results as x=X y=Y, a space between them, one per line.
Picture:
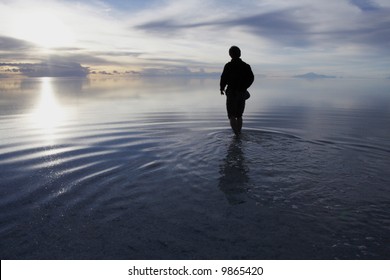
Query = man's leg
x=239 y=124
x=235 y=125
x=239 y=112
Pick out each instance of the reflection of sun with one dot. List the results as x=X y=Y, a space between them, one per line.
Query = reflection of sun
x=42 y=28
x=48 y=115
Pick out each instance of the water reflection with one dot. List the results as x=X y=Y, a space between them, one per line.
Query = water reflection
x=48 y=115
x=297 y=186
x=234 y=174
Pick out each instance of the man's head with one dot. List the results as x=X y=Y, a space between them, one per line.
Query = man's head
x=234 y=52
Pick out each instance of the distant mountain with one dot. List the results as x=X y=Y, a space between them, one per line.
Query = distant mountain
x=313 y=75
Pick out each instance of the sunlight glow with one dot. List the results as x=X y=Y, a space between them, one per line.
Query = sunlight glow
x=48 y=115
x=42 y=28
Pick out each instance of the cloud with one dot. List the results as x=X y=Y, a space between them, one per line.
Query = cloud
x=62 y=64
x=15 y=49
x=70 y=69
x=281 y=26
x=365 y=5
x=180 y=71
x=293 y=26
x=117 y=53
x=165 y=27
x=81 y=58
x=167 y=71
x=9 y=43
x=179 y=62
x=275 y=35
x=49 y=69
x=363 y=30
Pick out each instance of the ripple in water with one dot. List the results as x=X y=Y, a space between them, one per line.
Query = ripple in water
x=180 y=185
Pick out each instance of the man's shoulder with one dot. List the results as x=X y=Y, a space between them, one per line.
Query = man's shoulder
x=238 y=64
x=246 y=64
x=241 y=63
x=228 y=66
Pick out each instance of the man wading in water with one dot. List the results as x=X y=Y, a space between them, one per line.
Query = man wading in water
x=238 y=77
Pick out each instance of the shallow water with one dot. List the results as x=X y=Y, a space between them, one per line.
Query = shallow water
x=149 y=169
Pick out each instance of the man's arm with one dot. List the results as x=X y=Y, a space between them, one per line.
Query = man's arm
x=223 y=82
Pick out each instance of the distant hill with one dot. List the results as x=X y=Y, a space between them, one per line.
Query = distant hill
x=313 y=75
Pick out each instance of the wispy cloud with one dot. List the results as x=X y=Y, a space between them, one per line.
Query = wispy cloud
x=11 y=44
x=365 y=5
x=281 y=26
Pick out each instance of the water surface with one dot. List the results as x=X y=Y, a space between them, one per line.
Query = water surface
x=149 y=169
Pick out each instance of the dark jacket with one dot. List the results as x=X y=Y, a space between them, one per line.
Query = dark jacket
x=237 y=75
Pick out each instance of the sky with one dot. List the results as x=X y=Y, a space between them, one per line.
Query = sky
x=343 y=38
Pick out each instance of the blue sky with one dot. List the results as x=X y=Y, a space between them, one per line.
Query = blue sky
x=349 y=38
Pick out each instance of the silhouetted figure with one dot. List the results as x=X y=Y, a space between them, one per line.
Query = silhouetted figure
x=238 y=77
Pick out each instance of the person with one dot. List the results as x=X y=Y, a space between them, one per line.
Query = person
x=238 y=77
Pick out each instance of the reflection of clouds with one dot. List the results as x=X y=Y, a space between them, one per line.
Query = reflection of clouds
x=322 y=108
x=48 y=114
x=9 y=86
x=234 y=174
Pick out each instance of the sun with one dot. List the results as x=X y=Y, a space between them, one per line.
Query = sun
x=43 y=28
